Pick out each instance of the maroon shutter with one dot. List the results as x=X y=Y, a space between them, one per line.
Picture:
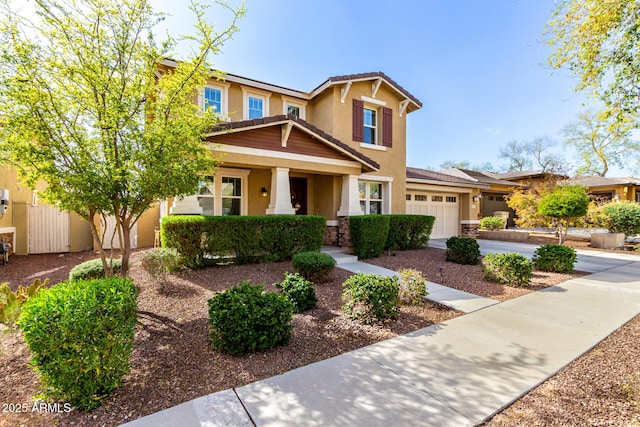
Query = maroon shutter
x=387 y=127
x=358 y=120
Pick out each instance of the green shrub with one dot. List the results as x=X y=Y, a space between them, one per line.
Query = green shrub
x=371 y=297
x=245 y=319
x=492 y=223
x=462 y=250
x=242 y=239
x=408 y=231
x=369 y=234
x=512 y=269
x=11 y=302
x=315 y=266
x=80 y=335
x=93 y=269
x=412 y=287
x=299 y=291
x=622 y=217
x=558 y=258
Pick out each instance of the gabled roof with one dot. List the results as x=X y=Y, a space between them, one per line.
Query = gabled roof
x=600 y=181
x=367 y=76
x=224 y=128
x=524 y=174
x=477 y=176
x=431 y=177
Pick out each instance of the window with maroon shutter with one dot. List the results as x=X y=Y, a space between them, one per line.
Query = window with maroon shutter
x=358 y=120
x=387 y=127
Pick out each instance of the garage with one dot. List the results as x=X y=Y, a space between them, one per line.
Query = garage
x=444 y=206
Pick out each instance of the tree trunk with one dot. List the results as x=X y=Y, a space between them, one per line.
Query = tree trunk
x=98 y=240
x=125 y=247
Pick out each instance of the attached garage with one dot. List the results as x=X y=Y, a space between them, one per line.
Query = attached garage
x=445 y=207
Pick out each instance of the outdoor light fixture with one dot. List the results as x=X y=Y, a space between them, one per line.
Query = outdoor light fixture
x=264 y=192
x=616 y=198
x=477 y=197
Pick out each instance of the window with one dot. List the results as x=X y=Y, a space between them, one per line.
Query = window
x=421 y=198
x=231 y=195
x=451 y=199
x=206 y=194
x=293 y=109
x=637 y=196
x=370 y=126
x=370 y=194
x=367 y=126
x=256 y=107
x=408 y=197
x=436 y=198
x=213 y=99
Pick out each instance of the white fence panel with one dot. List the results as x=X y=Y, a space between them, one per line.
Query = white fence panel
x=49 y=230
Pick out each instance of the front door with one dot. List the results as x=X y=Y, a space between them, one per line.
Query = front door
x=299 y=195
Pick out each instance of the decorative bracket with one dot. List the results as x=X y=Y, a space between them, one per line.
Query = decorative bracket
x=403 y=106
x=375 y=86
x=286 y=131
x=345 y=90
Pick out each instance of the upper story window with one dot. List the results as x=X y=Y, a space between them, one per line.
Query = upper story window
x=215 y=96
x=370 y=126
x=213 y=99
x=255 y=103
x=294 y=106
x=367 y=126
x=256 y=107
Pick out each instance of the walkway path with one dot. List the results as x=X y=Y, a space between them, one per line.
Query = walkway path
x=456 y=373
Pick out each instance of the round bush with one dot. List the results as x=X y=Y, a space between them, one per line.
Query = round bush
x=299 y=291
x=369 y=296
x=80 y=335
x=315 y=266
x=511 y=269
x=492 y=223
x=622 y=217
x=93 y=269
x=245 y=319
x=462 y=250
x=556 y=258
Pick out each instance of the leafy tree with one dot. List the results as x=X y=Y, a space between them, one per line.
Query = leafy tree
x=532 y=154
x=85 y=108
x=479 y=167
x=602 y=140
x=515 y=153
x=622 y=217
x=598 y=41
x=524 y=201
x=564 y=204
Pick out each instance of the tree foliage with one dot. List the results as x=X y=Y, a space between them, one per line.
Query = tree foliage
x=602 y=140
x=563 y=204
x=537 y=153
x=598 y=41
x=84 y=108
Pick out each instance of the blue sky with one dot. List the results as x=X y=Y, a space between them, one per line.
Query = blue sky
x=477 y=66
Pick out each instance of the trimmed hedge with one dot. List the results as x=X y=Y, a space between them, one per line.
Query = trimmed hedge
x=243 y=238
x=462 y=250
x=492 y=223
x=558 y=258
x=369 y=234
x=93 y=269
x=409 y=231
x=80 y=335
x=244 y=319
x=511 y=268
x=370 y=297
x=315 y=266
x=299 y=291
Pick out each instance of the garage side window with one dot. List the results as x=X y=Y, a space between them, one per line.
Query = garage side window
x=370 y=197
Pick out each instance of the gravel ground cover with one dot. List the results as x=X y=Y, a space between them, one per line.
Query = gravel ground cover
x=173 y=362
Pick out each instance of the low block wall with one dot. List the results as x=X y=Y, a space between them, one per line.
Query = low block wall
x=607 y=240
x=506 y=235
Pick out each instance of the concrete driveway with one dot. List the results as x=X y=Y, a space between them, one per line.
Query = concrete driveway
x=588 y=261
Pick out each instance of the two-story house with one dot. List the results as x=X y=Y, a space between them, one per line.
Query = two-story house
x=336 y=151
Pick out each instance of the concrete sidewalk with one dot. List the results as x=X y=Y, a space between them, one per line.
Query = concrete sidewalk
x=456 y=373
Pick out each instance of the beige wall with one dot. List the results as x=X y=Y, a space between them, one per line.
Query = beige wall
x=147 y=222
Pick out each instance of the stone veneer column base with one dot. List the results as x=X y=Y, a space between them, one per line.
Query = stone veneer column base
x=344 y=235
x=331 y=234
x=470 y=228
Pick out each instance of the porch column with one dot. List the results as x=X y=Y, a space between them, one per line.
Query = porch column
x=187 y=205
x=280 y=198
x=350 y=202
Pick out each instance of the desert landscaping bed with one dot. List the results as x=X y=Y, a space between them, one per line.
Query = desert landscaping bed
x=173 y=362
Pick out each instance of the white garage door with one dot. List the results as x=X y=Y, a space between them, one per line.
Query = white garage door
x=48 y=230
x=443 y=206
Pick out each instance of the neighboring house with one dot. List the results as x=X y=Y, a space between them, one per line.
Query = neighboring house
x=609 y=189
